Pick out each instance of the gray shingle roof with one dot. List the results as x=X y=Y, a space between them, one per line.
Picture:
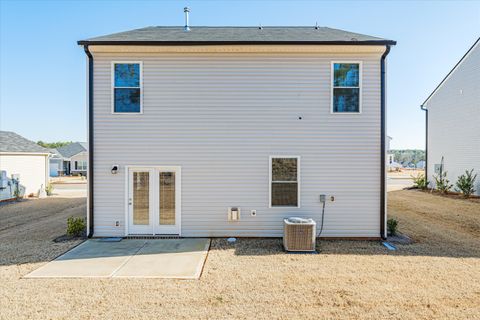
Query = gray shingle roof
x=236 y=35
x=72 y=149
x=55 y=153
x=12 y=142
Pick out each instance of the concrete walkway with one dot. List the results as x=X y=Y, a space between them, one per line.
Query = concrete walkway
x=162 y=258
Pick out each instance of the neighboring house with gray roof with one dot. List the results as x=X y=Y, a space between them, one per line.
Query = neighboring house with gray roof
x=23 y=160
x=75 y=158
x=186 y=123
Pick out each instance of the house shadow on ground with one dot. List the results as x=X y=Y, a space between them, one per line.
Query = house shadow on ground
x=421 y=247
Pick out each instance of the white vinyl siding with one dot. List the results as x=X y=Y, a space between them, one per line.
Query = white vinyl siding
x=220 y=117
x=454 y=121
x=32 y=168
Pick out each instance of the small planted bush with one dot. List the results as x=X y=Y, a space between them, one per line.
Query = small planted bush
x=392 y=226
x=75 y=226
x=466 y=183
x=442 y=183
x=49 y=189
x=420 y=182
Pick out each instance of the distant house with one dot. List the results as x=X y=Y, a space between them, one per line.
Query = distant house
x=25 y=162
x=453 y=120
x=56 y=163
x=390 y=155
x=420 y=164
x=75 y=158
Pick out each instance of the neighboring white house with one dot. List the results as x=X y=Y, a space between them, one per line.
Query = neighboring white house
x=453 y=120
x=184 y=125
x=75 y=158
x=390 y=155
x=25 y=161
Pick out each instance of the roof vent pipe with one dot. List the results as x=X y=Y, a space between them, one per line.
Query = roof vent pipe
x=187 y=27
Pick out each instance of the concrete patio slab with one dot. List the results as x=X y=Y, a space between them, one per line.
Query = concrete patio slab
x=169 y=258
x=162 y=258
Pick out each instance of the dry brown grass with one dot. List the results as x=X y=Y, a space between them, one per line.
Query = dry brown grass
x=436 y=277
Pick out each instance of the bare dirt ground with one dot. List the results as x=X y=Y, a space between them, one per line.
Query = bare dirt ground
x=436 y=277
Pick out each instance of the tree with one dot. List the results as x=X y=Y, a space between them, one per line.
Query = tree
x=53 y=144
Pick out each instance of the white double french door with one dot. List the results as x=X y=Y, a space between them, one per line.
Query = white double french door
x=153 y=200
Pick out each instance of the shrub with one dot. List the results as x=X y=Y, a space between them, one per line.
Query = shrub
x=442 y=183
x=392 y=226
x=75 y=226
x=49 y=189
x=420 y=182
x=466 y=183
x=17 y=194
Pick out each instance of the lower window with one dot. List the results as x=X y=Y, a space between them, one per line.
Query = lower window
x=284 y=181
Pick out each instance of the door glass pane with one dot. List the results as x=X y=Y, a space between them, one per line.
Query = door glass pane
x=141 y=194
x=167 y=198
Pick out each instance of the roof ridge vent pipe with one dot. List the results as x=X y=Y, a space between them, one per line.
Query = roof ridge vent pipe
x=316 y=25
x=260 y=27
x=186 y=10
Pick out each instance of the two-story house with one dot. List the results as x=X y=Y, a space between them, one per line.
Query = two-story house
x=187 y=123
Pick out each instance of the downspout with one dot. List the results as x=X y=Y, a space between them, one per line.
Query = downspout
x=426 y=141
x=382 y=143
x=90 y=141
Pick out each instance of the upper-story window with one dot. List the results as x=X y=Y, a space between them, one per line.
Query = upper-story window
x=346 y=87
x=127 y=87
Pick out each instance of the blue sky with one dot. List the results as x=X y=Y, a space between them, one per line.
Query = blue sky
x=42 y=70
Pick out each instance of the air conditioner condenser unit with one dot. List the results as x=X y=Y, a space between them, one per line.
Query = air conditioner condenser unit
x=299 y=234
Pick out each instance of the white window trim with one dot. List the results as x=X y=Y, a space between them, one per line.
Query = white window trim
x=360 y=86
x=270 y=180
x=112 y=85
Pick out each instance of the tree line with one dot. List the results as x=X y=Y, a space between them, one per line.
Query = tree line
x=50 y=145
x=408 y=155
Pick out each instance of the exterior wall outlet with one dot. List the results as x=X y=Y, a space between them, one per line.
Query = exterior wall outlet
x=253 y=213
